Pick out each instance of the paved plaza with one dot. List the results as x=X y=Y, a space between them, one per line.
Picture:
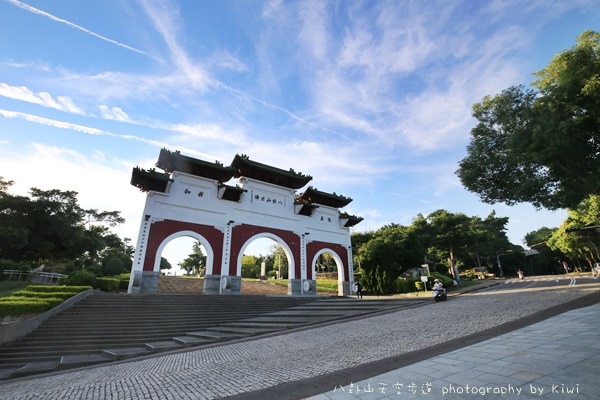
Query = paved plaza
x=558 y=358
x=473 y=345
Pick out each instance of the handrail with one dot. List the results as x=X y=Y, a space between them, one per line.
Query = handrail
x=44 y=277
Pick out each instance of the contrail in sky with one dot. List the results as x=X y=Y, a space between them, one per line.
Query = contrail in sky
x=34 y=10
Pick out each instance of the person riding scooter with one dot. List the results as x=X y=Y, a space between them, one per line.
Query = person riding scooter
x=439 y=293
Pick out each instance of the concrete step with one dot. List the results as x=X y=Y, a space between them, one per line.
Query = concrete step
x=108 y=327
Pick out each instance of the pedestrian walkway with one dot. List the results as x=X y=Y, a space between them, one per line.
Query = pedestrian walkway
x=558 y=358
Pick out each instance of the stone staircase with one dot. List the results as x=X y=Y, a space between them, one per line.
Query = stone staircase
x=108 y=327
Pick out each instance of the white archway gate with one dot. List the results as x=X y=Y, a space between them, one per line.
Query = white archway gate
x=190 y=198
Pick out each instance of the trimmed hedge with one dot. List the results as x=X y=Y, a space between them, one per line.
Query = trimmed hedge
x=415 y=284
x=108 y=284
x=37 y=299
x=446 y=280
x=50 y=289
x=43 y=295
x=14 y=305
x=23 y=306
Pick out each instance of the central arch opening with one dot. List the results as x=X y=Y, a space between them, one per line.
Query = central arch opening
x=264 y=266
x=185 y=255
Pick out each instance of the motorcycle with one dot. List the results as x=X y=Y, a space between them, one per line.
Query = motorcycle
x=439 y=294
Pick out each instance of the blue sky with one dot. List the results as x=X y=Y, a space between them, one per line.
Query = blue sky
x=371 y=98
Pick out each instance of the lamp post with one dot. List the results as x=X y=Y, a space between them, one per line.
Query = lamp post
x=126 y=243
x=498 y=255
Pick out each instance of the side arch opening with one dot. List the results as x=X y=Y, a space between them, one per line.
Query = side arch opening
x=328 y=269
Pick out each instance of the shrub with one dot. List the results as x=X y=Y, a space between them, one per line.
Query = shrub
x=446 y=281
x=108 y=284
x=124 y=284
x=16 y=265
x=49 y=289
x=21 y=305
x=82 y=277
x=404 y=285
x=408 y=286
x=398 y=286
x=43 y=295
x=37 y=298
x=14 y=305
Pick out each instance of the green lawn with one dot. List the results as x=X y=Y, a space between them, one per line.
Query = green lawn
x=323 y=285
x=9 y=287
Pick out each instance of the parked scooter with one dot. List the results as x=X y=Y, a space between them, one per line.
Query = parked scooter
x=439 y=293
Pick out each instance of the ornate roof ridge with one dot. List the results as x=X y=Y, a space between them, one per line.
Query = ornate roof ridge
x=313 y=195
x=171 y=161
x=255 y=170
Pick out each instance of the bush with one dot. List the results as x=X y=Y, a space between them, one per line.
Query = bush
x=446 y=281
x=49 y=289
x=37 y=299
x=16 y=265
x=14 y=305
x=108 y=284
x=404 y=285
x=82 y=277
x=124 y=284
x=408 y=286
x=43 y=295
x=21 y=305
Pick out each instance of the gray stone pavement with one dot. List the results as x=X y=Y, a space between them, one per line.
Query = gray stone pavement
x=558 y=358
x=477 y=339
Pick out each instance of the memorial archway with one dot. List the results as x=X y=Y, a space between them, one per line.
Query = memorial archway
x=192 y=198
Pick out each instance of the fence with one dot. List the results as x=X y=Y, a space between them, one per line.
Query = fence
x=45 y=278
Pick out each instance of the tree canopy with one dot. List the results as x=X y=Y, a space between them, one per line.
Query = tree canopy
x=541 y=144
x=196 y=261
x=442 y=239
x=49 y=226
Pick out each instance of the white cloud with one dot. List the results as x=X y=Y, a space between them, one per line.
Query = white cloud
x=190 y=133
x=225 y=60
x=114 y=113
x=166 y=19
x=45 y=99
x=72 y=25
x=77 y=127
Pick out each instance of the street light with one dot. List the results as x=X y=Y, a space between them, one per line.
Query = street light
x=126 y=243
x=498 y=255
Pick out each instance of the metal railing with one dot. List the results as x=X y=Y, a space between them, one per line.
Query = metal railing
x=45 y=278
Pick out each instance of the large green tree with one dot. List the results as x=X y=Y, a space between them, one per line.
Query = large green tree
x=579 y=236
x=195 y=261
x=541 y=144
x=441 y=239
x=50 y=226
